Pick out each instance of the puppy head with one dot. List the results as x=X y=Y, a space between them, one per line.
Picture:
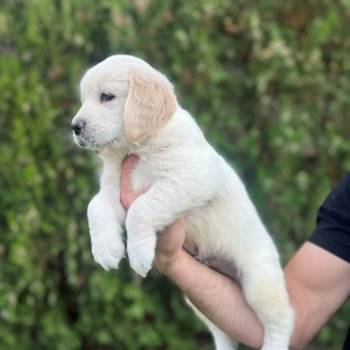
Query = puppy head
x=124 y=100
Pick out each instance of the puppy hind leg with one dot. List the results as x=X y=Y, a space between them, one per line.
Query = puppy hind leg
x=265 y=291
x=221 y=340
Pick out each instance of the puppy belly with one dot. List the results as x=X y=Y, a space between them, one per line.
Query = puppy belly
x=199 y=243
x=216 y=262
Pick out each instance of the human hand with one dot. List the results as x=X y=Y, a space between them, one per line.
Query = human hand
x=169 y=243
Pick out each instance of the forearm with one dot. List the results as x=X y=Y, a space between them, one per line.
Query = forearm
x=218 y=297
x=314 y=296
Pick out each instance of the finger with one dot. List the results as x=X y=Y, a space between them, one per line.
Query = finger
x=127 y=195
x=128 y=167
x=172 y=238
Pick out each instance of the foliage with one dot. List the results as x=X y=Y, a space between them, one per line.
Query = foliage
x=268 y=83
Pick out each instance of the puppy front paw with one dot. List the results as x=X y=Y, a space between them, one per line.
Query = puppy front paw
x=141 y=257
x=107 y=252
x=105 y=232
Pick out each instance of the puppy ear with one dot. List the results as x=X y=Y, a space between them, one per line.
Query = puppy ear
x=150 y=104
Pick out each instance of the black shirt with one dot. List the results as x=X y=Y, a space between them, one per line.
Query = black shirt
x=333 y=226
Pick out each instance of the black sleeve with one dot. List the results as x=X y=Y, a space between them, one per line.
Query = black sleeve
x=333 y=221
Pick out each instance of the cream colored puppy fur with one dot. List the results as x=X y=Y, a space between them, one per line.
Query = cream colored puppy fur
x=186 y=177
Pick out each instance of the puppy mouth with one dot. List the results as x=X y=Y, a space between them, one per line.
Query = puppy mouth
x=93 y=145
x=81 y=142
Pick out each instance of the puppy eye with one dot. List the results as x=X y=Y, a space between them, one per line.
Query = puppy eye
x=106 y=97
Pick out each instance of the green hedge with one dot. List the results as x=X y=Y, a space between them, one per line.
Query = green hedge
x=268 y=81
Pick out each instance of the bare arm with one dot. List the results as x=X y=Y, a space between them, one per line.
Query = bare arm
x=318 y=283
x=216 y=295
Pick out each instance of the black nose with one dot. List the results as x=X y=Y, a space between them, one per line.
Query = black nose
x=77 y=126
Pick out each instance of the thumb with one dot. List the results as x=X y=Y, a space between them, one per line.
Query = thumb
x=127 y=195
x=172 y=238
